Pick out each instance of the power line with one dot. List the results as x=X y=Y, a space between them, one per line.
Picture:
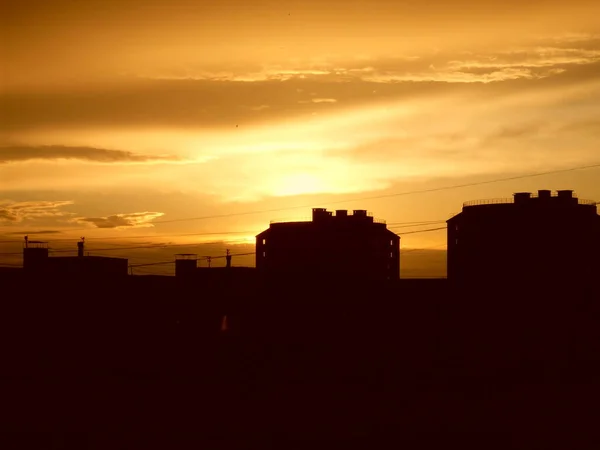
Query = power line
x=408 y=224
x=158 y=246
x=131 y=237
x=148 y=246
x=411 y=250
x=423 y=231
x=375 y=197
x=18 y=241
x=398 y=194
x=418 y=225
x=152 y=264
x=197 y=259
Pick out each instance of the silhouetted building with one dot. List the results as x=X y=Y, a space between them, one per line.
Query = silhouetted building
x=186 y=268
x=35 y=256
x=345 y=245
x=185 y=264
x=527 y=240
x=37 y=262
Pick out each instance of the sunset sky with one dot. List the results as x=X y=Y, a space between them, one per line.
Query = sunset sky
x=115 y=115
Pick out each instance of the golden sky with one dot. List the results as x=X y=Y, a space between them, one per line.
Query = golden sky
x=118 y=114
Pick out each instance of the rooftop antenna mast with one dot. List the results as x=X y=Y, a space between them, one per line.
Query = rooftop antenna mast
x=80 y=247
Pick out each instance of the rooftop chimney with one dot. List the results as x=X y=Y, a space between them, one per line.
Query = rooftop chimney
x=544 y=193
x=80 y=246
x=360 y=212
x=521 y=197
x=341 y=213
x=565 y=193
x=320 y=214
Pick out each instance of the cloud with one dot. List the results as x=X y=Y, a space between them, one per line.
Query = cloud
x=8 y=215
x=537 y=57
x=19 y=211
x=205 y=103
x=526 y=62
x=25 y=232
x=573 y=37
x=131 y=220
x=319 y=100
x=52 y=152
x=459 y=76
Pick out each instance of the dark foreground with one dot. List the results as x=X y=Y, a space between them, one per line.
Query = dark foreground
x=417 y=364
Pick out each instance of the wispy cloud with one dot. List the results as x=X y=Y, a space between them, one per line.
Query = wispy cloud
x=319 y=100
x=324 y=100
x=54 y=152
x=19 y=211
x=528 y=62
x=201 y=100
x=27 y=232
x=460 y=76
x=130 y=220
x=528 y=58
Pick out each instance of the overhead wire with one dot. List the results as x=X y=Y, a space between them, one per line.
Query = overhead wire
x=397 y=194
x=375 y=197
x=97 y=238
x=407 y=224
x=192 y=245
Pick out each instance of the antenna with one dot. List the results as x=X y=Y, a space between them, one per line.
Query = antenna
x=80 y=246
x=228 y=259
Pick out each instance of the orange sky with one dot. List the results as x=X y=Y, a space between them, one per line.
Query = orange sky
x=118 y=114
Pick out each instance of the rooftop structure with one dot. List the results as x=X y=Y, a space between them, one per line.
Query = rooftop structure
x=37 y=262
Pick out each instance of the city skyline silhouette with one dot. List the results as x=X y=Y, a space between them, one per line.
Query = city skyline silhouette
x=259 y=223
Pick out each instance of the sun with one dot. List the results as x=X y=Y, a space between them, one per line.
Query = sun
x=298 y=184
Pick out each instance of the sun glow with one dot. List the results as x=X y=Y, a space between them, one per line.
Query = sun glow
x=298 y=184
x=240 y=240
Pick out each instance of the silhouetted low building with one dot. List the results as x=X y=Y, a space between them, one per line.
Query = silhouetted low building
x=37 y=262
x=186 y=268
x=355 y=246
x=186 y=265
x=532 y=239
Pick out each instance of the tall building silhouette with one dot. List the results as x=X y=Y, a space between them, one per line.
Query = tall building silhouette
x=341 y=245
x=544 y=238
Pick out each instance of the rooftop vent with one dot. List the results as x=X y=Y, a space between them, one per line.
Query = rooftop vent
x=565 y=194
x=320 y=213
x=544 y=193
x=521 y=197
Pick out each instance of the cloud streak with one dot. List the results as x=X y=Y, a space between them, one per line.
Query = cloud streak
x=10 y=154
x=203 y=102
x=15 y=212
x=130 y=220
x=508 y=64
